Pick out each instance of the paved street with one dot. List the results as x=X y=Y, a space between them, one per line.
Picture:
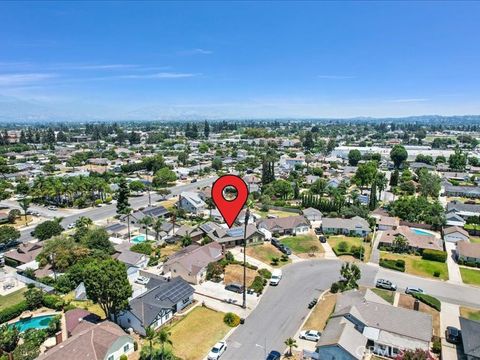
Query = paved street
x=283 y=308
x=107 y=211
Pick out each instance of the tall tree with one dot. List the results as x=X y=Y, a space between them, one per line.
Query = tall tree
x=354 y=156
x=122 y=197
x=206 y=129
x=8 y=233
x=106 y=283
x=9 y=337
x=458 y=160
x=308 y=142
x=350 y=273
x=398 y=155
x=25 y=204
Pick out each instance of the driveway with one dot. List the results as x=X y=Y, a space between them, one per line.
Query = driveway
x=449 y=316
x=453 y=269
x=329 y=253
x=375 y=256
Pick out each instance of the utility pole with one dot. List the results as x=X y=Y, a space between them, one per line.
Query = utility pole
x=247 y=216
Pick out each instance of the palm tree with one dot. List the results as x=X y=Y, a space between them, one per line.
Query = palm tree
x=152 y=337
x=9 y=337
x=146 y=222
x=186 y=240
x=381 y=181
x=291 y=343
x=25 y=204
x=83 y=221
x=164 y=338
x=157 y=227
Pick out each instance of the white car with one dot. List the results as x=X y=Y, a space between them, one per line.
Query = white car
x=217 y=350
x=411 y=290
x=142 y=280
x=276 y=277
x=52 y=208
x=71 y=226
x=312 y=335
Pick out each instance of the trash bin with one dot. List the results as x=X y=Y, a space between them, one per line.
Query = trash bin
x=242 y=321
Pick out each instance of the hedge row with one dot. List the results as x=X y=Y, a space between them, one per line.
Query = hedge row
x=429 y=300
x=398 y=265
x=13 y=311
x=53 y=302
x=435 y=255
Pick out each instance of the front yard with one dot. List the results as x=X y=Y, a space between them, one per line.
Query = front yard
x=387 y=295
x=265 y=253
x=321 y=313
x=12 y=298
x=195 y=334
x=306 y=245
x=470 y=276
x=469 y=313
x=234 y=274
x=350 y=241
x=87 y=305
x=415 y=265
x=475 y=239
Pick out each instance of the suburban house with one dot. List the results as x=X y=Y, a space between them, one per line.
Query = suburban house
x=117 y=230
x=470 y=334
x=472 y=192
x=312 y=214
x=454 y=219
x=191 y=262
x=362 y=320
x=388 y=223
x=463 y=210
x=192 y=203
x=290 y=225
x=157 y=306
x=133 y=260
x=417 y=239
x=468 y=252
x=103 y=341
x=234 y=236
x=153 y=211
x=334 y=183
x=195 y=233
x=25 y=253
x=354 y=226
x=455 y=234
x=3 y=217
x=75 y=319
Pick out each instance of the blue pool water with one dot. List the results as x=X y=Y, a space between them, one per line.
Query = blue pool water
x=138 y=239
x=38 y=322
x=421 y=232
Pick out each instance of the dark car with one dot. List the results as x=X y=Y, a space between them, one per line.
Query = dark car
x=235 y=288
x=322 y=238
x=285 y=249
x=193 y=181
x=275 y=242
x=274 y=355
x=318 y=231
x=453 y=335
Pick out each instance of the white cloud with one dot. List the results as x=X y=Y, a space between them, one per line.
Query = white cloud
x=197 y=51
x=23 y=78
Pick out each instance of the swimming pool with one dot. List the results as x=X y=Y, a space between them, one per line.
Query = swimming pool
x=422 y=232
x=138 y=239
x=38 y=322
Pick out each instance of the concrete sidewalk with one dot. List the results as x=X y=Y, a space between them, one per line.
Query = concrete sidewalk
x=449 y=316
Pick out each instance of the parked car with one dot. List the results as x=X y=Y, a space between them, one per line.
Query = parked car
x=275 y=242
x=318 y=231
x=274 y=355
x=276 y=277
x=71 y=226
x=217 y=350
x=52 y=208
x=193 y=181
x=322 y=238
x=142 y=280
x=411 y=290
x=453 y=335
x=235 y=288
x=385 y=284
x=311 y=335
x=285 y=249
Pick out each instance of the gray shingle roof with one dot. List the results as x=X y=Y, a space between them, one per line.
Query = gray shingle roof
x=470 y=337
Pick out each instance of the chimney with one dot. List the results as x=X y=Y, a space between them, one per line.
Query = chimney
x=416 y=305
x=58 y=337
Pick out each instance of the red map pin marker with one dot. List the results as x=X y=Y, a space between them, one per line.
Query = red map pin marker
x=229 y=208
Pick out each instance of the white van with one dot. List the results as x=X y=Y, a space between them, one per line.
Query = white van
x=276 y=277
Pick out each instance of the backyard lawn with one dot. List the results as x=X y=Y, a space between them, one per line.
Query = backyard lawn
x=470 y=276
x=415 y=265
x=277 y=213
x=194 y=335
x=469 y=313
x=351 y=241
x=388 y=296
x=265 y=253
x=234 y=274
x=303 y=244
x=321 y=313
x=87 y=305
x=170 y=249
x=12 y=299
x=475 y=239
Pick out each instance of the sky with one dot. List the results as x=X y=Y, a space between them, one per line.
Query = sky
x=159 y=60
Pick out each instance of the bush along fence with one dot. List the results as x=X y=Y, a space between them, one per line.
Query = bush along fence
x=398 y=265
x=429 y=300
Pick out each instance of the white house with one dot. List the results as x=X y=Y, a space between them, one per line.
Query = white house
x=454 y=234
x=191 y=202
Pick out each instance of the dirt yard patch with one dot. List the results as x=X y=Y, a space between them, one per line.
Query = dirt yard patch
x=234 y=274
x=407 y=301
x=320 y=314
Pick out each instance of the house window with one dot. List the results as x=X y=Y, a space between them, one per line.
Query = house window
x=126 y=347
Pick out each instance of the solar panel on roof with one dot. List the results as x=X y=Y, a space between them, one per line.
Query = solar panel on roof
x=235 y=232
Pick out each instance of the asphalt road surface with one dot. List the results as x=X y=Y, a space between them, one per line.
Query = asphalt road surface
x=100 y=213
x=283 y=309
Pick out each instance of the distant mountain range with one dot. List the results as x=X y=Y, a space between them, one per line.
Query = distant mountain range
x=14 y=110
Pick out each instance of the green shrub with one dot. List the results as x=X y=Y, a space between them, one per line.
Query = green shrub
x=435 y=255
x=342 y=246
x=284 y=258
x=53 y=302
x=265 y=273
x=135 y=346
x=334 y=288
x=231 y=319
x=429 y=300
x=13 y=311
x=142 y=248
x=275 y=261
x=436 y=345
x=124 y=357
x=398 y=265
x=436 y=273
x=257 y=284
x=229 y=256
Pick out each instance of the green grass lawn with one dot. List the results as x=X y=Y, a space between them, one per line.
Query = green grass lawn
x=278 y=213
x=334 y=240
x=469 y=313
x=388 y=296
x=194 y=335
x=302 y=244
x=12 y=299
x=265 y=253
x=415 y=265
x=87 y=305
x=470 y=276
x=475 y=239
